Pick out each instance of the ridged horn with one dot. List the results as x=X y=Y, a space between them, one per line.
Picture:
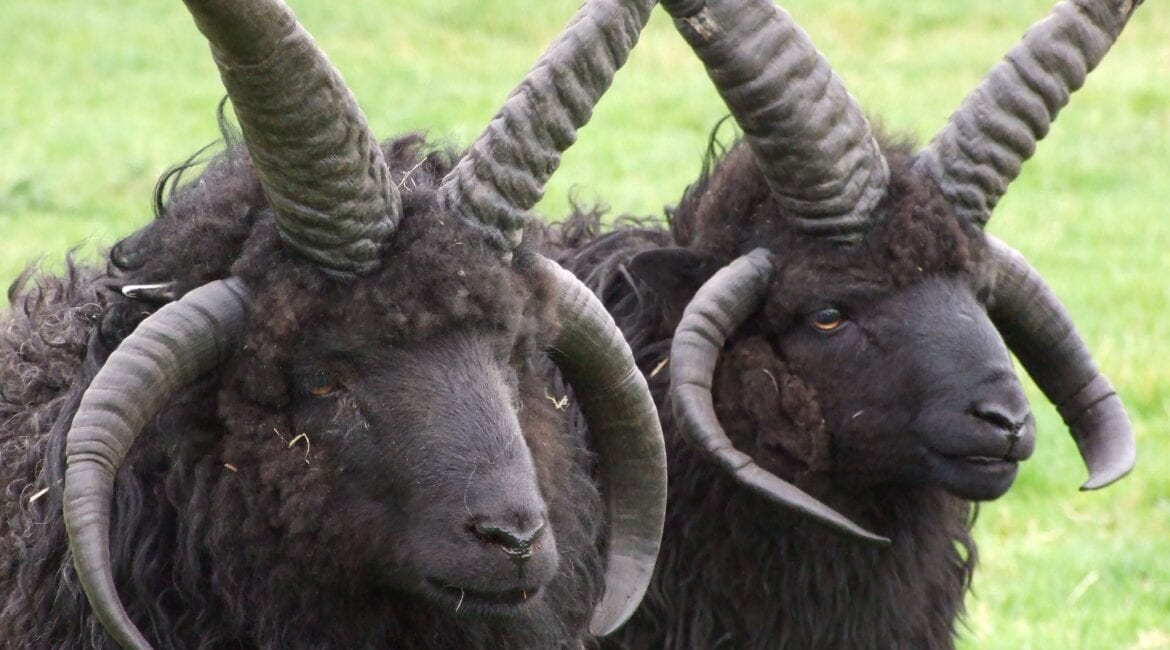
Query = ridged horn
x=623 y=423
x=1038 y=329
x=809 y=137
x=322 y=169
x=719 y=307
x=169 y=350
x=996 y=128
x=505 y=170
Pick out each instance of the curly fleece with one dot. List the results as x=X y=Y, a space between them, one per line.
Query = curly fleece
x=735 y=571
x=220 y=537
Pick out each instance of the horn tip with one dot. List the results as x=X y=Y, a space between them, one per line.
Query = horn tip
x=1105 y=477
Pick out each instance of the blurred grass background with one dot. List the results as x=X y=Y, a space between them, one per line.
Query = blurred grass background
x=98 y=98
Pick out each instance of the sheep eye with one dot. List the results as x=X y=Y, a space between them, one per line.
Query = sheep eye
x=827 y=320
x=320 y=384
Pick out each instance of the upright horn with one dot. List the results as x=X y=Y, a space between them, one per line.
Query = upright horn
x=321 y=167
x=808 y=135
x=497 y=181
x=504 y=172
x=996 y=128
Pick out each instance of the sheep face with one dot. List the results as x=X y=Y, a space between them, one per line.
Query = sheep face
x=437 y=470
x=868 y=364
x=405 y=407
x=914 y=385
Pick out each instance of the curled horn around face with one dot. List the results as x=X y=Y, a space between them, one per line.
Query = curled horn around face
x=1039 y=330
x=977 y=155
x=623 y=420
x=722 y=304
x=169 y=350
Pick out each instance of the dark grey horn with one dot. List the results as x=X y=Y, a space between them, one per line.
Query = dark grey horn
x=808 y=135
x=623 y=422
x=169 y=350
x=996 y=128
x=504 y=172
x=719 y=307
x=1038 y=329
x=321 y=167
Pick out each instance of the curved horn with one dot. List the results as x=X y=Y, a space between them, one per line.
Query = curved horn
x=169 y=350
x=719 y=307
x=808 y=135
x=321 y=167
x=623 y=422
x=996 y=128
x=1040 y=332
x=504 y=171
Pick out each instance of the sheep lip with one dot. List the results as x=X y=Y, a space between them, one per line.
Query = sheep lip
x=990 y=462
x=975 y=477
x=500 y=602
x=983 y=460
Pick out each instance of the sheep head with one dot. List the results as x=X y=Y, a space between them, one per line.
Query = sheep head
x=428 y=417
x=827 y=186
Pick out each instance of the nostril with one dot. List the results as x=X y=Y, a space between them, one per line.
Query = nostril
x=999 y=416
x=517 y=539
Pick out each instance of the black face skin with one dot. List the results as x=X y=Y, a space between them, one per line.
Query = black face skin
x=442 y=493
x=915 y=386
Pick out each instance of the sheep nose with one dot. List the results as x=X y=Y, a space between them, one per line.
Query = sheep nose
x=1002 y=416
x=516 y=535
x=1014 y=422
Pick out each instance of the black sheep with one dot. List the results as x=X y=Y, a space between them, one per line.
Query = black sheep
x=307 y=405
x=819 y=327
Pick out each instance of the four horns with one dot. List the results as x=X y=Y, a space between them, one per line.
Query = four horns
x=336 y=205
x=823 y=165
x=334 y=202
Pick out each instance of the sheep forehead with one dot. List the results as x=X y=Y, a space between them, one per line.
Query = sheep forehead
x=731 y=211
x=404 y=303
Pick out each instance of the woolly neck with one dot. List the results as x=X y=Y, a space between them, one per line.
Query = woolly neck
x=739 y=572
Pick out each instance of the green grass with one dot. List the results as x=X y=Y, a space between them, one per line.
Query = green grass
x=100 y=97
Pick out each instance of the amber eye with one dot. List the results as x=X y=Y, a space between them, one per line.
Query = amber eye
x=321 y=384
x=827 y=320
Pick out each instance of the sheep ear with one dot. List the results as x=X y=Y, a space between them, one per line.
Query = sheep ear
x=673 y=275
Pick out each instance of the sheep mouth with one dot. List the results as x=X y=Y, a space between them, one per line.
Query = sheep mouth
x=977 y=477
x=982 y=460
x=507 y=601
x=982 y=464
